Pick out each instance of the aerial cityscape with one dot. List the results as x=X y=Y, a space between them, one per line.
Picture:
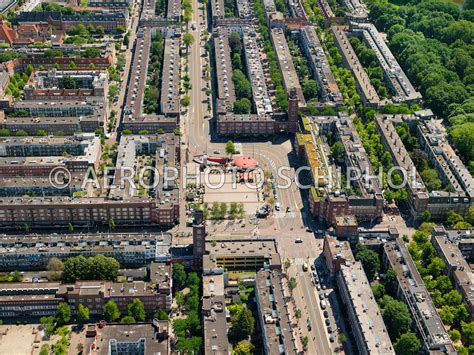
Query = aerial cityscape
x=236 y=177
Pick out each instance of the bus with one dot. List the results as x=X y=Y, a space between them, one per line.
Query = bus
x=305 y=267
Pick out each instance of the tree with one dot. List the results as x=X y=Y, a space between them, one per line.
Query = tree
x=179 y=276
x=44 y=349
x=390 y=282
x=111 y=311
x=161 y=315
x=407 y=344
x=396 y=316
x=230 y=147
x=243 y=325
x=244 y=347
x=17 y=276
x=243 y=87
x=186 y=100
x=188 y=40
x=369 y=259
x=304 y=342
x=453 y=218
x=82 y=314
x=4 y=132
x=378 y=290
x=68 y=82
x=453 y=298
x=113 y=91
x=338 y=151
x=98 y=267
x=63 y=314
x=467 y=332
x=235 y=42
x=436 y=267
x=455 y=335
x=70 y=228
x=136 y=309
x=292 y=284
x=310 y=89
x=242 y=106
x=469 y=217
x=447 y=315
x=426 y=216
x=55 y=269
x=21 y=133
x=128 y=320
x=298 y=313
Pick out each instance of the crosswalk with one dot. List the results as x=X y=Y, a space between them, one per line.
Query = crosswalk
x=284 y=215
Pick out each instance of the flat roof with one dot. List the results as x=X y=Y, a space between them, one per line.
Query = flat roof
x=365 y=309
x=273 y=311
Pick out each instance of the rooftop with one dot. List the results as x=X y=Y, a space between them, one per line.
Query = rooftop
x=366 y=309
x=273 y=313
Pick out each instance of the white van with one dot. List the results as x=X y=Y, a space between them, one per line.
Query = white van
x=323 y=304
x=277 y=206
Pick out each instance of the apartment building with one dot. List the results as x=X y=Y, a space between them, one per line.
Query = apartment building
x=134 y=119
x=59 y=212
x=245 y=9
x=364 y=316
x=350 y=60
x=456 y=268
x=412 y=290
x=53 y=125
x=32 y=252
x=337 y=253
x=403 y=90
x=42 y=299
x=242 y=254
x=326 y=10
x=50 y=86
x=230 y=124
x=152 y=123
x=318 y=62
x=214 y=315
x=170 y=79
x=64 y=63
x=112 y=4
x=253 y=63
x=418 y=196
x=165 y=151
x=297 y=9
x=77 y=145
x=174 y=10
x=223 y=68
x=110 y=21
x=273 y=314
x=34 y=157
x=217 y=10
x=59 y=108
x=460 y=237
x=285 y=63
x=122 y=338
x=434 y=141
x=40 y=186
x=452 y=171
x=327 y=199
x=356 y=10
